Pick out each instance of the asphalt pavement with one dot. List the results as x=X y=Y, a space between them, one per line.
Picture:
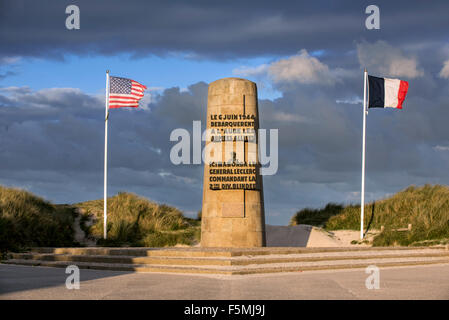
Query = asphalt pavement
x=422 y=282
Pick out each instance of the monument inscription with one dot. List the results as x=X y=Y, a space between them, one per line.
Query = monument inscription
x=236 y=171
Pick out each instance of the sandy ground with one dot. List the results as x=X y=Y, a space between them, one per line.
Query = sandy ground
x=80 y=235
x=345 y=237
x=308 y=236
x=282 y=236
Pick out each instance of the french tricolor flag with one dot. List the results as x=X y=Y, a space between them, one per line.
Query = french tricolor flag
x=386 y=93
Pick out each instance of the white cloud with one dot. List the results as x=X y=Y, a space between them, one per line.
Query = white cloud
x=352 y=100
x=386 y=60
x=9 y=60
x=252 y=71
x=157 y=89
x=14 y=89
x=300 y=68
x=444 y=73
x=289 y=117
x=441 y=148
x=146 y=100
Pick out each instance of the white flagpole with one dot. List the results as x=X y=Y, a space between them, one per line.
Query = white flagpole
x=362 y=204
x=105 y=213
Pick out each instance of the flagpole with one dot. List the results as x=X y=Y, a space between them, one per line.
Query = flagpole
x=105 y=213
x=362 y=193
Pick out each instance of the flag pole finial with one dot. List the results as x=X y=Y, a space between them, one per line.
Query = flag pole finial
x=364 y=70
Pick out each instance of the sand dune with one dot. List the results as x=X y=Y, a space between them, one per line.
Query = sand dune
x=308 y=236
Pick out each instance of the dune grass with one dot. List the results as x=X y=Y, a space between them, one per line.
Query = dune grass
x=137 y=221
x=27 y=220
x=425 y=207
x=316 y=217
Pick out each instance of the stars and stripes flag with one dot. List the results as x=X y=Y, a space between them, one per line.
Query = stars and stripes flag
x=124 y=92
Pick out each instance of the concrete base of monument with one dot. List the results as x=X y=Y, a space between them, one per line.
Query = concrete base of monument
x=313 y=237
x=229 y=261
x=299 y=236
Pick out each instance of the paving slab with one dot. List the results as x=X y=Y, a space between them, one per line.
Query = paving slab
x=418 y=282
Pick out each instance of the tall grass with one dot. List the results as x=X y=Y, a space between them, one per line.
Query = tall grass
x=426 y=208
x=316 y=217
x=27 y=220
x=137 y=221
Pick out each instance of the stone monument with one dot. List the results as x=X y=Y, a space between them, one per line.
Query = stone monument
x=233 y=207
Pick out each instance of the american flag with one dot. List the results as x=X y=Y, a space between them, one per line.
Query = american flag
x=124 y=92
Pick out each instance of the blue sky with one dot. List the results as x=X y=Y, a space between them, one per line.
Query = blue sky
x=88 y=72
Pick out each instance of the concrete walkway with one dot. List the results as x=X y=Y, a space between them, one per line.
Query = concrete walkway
x=424 y=282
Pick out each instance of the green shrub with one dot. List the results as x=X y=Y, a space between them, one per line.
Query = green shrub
x=425 y=207
x=27 y=220
x=316 y=217
x=163 y=239
x=137 y=221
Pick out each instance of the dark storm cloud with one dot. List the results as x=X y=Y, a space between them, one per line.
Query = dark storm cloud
x=320 y=139
x=51 y=142
x=212 y=28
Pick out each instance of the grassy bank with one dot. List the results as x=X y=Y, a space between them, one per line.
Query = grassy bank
x=137 y=221
x=426 y=208
x=27 y=220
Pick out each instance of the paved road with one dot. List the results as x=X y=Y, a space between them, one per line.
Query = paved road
x=424 y=282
